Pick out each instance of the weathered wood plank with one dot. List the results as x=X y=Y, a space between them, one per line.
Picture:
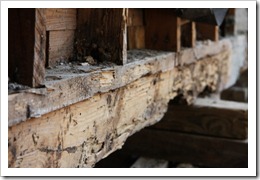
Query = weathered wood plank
x=207 y=31
x=162 y=30
x=26 y=46
x=199 y=150
x=101 y=33
x=60 y=18
x=207 y=117
x=136 y=37
x=73 y=87
x=234 y=93
x=135 y=17
x=60 y=46
x=144 y=162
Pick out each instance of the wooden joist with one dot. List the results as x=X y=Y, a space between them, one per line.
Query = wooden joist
x=207 y=117
x=26 y=46
x=199 y=150
x=101 y=33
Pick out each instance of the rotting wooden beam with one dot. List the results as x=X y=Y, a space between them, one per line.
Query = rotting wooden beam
x=26 y=46
x=71 y=87
x=101 y=33
x=207 y=31
x=87 y=131
x=162 y=30
x=196 y=149
x=207 y=117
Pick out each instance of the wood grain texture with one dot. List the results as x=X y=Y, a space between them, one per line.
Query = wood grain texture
x=101 y=33
x=26 y=46
x=199 y=150
x=87 y=131
x=207 y=31
x=135 y=17
x=162 y=30
x=136 y=37
x=60 y=18
x=75 y=87
x=60 y=46
x=208 y=117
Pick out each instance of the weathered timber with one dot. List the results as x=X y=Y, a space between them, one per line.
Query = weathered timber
x=234 y=93
x=207 y=31
x=26 y=46
x=144 y=162
x=101 y=33
x=73 y=87
x=85 y=132
x=60 y=47
x=207 y=117
x=60 y=18
x=135 y=17
x=199 y=150
x=136 y=37
x=162 y=30
x=188 y=34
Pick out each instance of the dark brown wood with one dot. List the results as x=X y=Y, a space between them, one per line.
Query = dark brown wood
x=199 y=150
x=60 y=46
x=207 y=117
x=60 y=18
x=101 y=33
x=238 y=94
x=188 y=34
x=162 y=30
x=26 y=46
x=136 y=37
x=207 y=32
x=135 y=17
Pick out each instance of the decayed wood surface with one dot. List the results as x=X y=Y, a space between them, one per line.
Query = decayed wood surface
x=101 y=33
x=207 y=117
x=60 y=46
x=196 y=149
x=70 y=88
x=26 y=46
x=87 y=131
x=60 y=18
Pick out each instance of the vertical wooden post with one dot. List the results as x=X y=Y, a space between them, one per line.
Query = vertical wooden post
x=162 y=30
x=207 y=31
x=26 y=46
x=101 y=33
x=188 y=34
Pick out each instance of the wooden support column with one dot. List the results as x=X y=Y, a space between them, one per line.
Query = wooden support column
x=207 y=117
x=101 y=33
x=207 y=31
x=26 y=46
x=162 y=30
x=188 y=34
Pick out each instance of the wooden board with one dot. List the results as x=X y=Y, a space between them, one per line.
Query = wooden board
x=162 y=30
x=60 y=18
x=60 y=46
x=136 y=37
x=207 y=31
x=135 y=17
x=239 y=94
x=199 y=150
x=101 y=33
x=26 y=46
x=207 y=117
x=87 y=131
